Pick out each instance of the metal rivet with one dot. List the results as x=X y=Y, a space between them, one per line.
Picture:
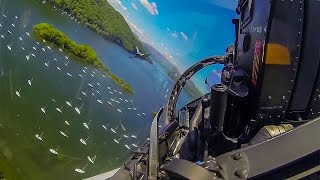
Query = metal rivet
x=279 y=116
x=237 y=156
x=269 y=97
x=270 y=116
x=283 y=97
x=242 y=173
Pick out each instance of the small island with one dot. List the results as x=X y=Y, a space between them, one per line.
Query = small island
x=101 y=17
x=85 y=52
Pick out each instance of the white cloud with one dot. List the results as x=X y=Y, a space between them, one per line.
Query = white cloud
x=134 y=6
x=151 y=7
x=174 y=35
x=118 y=3
x=121 y=5
x=185 y=37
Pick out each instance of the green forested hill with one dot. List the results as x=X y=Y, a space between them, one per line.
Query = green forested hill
x=101 y=17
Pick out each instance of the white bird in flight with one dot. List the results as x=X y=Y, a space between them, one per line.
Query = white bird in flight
x=81 y=171
x=92 y=159
x=18 y=93
x=127 y=147
x=84 y=141
x=43 y=110
x=67 y=123
x=63 y=134
x=68 y=103
x=39 y=136
x=59 y=110
x=30 y=81
x=54 y=151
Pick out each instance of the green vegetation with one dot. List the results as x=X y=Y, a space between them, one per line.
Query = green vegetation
x=101 y=17
x=49 y=33
x=154 y=114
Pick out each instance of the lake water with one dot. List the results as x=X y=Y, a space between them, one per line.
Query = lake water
x=36 y=118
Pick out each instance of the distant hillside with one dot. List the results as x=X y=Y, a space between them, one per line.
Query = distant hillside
x=171 y=70
x=102 y=18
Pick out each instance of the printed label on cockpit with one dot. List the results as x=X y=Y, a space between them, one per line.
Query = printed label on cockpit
x=256 y=61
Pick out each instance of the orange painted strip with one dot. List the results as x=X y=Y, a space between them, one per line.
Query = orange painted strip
x=277 y=54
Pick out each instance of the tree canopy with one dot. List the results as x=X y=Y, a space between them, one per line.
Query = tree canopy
x=101 y=17
x=85 y=52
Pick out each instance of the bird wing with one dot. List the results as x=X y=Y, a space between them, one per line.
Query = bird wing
x=138 y=52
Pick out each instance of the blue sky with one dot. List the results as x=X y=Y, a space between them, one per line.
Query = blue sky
x=183 y=31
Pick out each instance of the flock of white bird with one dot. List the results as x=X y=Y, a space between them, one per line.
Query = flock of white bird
x=118 y=101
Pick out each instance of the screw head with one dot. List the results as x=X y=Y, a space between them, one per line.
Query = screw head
x=242 y=173
x=237 y=156
x=205 y=100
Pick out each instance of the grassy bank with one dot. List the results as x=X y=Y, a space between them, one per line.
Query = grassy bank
x=85 y=52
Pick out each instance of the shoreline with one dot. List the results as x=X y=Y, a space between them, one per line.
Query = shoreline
x=84 y=52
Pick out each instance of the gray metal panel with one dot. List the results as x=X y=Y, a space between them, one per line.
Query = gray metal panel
x=277 y=80
x=310 y=58
x=272 y=154
x=314 y=107
x=257 y=28
x=154 y=150
x=257 y=31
